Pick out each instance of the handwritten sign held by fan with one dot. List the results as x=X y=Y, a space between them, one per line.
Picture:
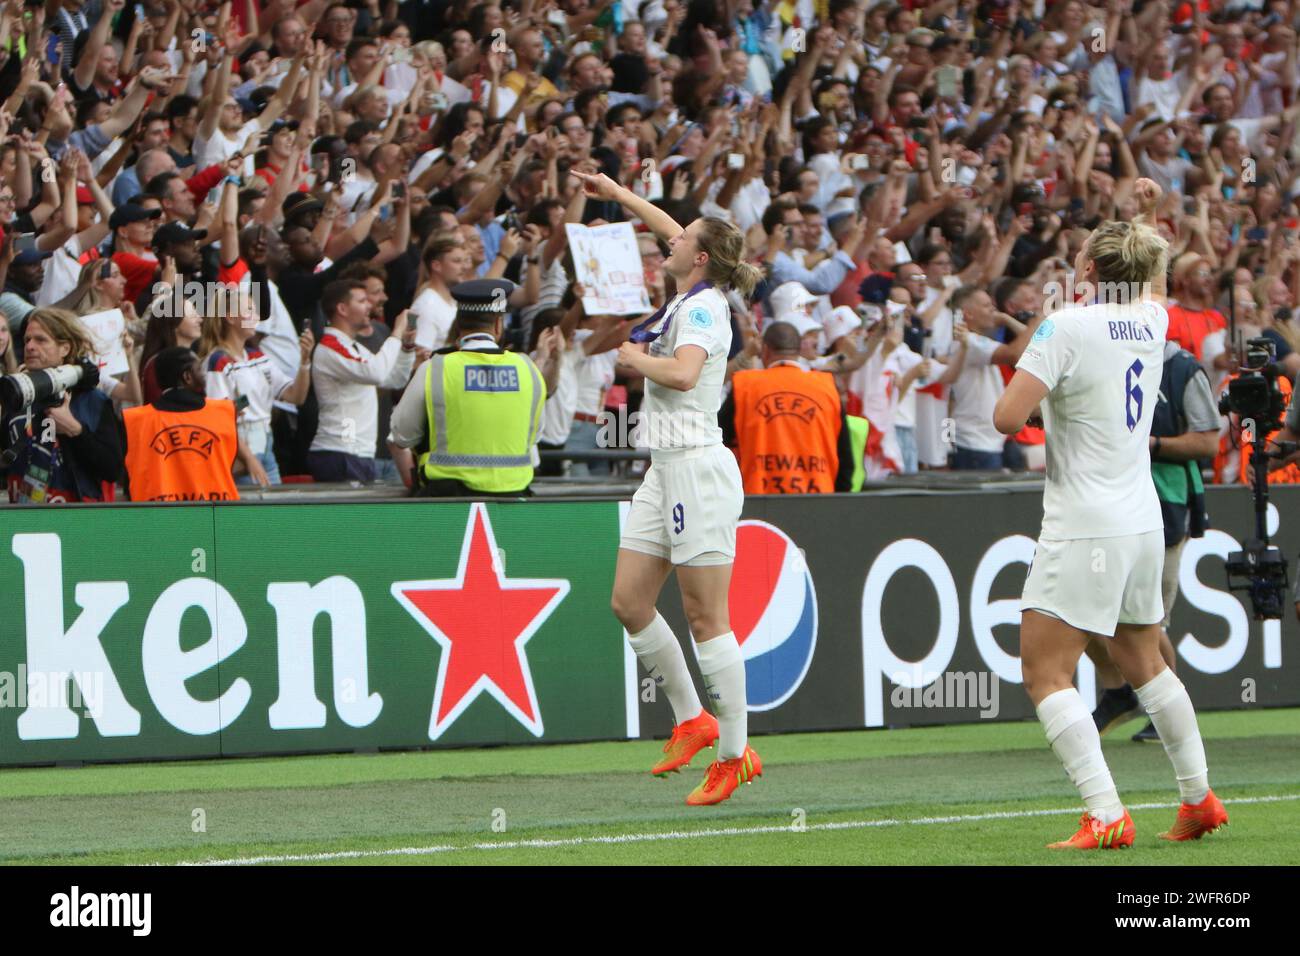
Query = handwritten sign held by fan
x=105 y=330
x=607 y=262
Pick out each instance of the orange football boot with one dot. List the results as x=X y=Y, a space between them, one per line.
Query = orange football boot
x=1195 y=821
x=724 y=776
x=1095 y=835
x=688 y=739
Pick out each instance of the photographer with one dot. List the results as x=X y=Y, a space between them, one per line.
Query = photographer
x=69 y=450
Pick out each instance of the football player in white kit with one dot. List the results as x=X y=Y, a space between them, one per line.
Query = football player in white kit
x=684 y=515
x=1097 y=567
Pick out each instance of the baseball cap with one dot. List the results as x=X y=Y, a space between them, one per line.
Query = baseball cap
x=85 y=197
x=174 y=232
x=30 y=257
x=131 y=212
x=275 y=127
x=300 y=203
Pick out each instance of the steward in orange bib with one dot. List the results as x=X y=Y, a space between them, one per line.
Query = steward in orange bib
x=181 y=446
x=786 y=423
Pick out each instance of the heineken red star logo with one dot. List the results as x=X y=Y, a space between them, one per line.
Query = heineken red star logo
x=482 y=620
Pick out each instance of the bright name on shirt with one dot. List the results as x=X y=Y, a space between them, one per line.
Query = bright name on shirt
x=1130 y=332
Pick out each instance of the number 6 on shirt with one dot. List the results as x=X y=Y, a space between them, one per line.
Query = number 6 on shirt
x=1133 y=394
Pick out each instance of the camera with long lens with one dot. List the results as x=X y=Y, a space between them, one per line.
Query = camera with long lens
x=1255 y=397
x=36 y=390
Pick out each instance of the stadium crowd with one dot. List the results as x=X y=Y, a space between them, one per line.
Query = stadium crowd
x=913 y=179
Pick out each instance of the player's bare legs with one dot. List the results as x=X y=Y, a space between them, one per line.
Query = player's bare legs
x=638 y=579
x=704 y=598
x=1136 y=651
x=1108 y=675
x=1049 y=652
x=1118 y=704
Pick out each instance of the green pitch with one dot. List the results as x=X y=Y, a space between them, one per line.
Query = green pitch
x=991 y=794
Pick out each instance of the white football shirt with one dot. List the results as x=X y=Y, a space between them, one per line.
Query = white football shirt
x=672 y=419
x=1102 y=364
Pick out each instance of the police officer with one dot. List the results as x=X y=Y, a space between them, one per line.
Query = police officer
x=472 y=412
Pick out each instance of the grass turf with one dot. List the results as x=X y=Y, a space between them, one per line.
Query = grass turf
x=895 y=781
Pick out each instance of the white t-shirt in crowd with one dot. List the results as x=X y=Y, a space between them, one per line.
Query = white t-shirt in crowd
x=974 y=394
x=221 y=147
x=831 y=179
x=255 y=378
x=674 y=419
x=279 y=337
x=62 y=270
x=1102 y=365
x=901 y=361
x=595 y=376
x=432 y=316
x=1162 y=94
x=557 y=413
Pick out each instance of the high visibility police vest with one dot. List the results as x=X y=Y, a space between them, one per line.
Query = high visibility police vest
x=787 y=428
x=181 y=456
x=484 y=411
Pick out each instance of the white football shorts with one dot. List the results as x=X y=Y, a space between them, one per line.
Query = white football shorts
x=1095 y=583
x=687 y=507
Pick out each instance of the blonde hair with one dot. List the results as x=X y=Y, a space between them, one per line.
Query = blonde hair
x=85 y=299
x=429 y=49
x=724 y=244
x=227 y=303
x=66 y=329
x=360 y=95
x=1127 y=252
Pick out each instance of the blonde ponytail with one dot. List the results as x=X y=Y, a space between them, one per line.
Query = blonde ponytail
x=1127 y=252
x=725 y=245
x=744 y=278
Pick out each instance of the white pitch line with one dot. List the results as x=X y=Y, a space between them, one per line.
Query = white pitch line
x=684 y=834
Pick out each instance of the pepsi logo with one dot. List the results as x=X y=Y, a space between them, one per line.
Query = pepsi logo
x=773 y=613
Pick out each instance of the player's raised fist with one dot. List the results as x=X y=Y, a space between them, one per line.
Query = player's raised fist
x=1148 y=194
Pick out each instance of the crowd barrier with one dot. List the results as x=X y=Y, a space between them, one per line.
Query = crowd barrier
x=150 y=632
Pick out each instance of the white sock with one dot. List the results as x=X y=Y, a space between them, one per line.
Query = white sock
x=723 y=668
x=1166 y=702
x=1074 y=739
x=661 y=655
